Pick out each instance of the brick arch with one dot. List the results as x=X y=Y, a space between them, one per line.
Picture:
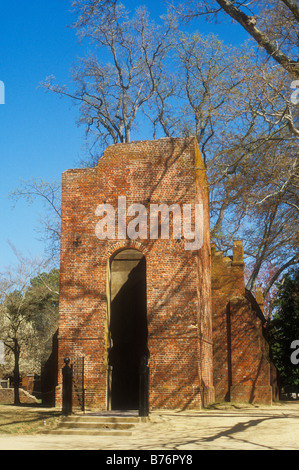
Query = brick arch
x=128 y=329
x=120 y=245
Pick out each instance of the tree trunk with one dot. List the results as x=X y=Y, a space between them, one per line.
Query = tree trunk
x=17 y=373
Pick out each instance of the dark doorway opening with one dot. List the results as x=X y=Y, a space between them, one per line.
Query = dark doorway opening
x=128 y=327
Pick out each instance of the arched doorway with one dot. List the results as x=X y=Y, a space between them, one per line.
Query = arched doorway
x=128 y=327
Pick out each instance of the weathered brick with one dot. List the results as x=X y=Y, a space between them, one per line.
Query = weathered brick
x=241 y=352
x=178 y=280
x=187 y=358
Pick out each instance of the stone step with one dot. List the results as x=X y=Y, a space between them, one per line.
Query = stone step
x=102 y=419
x=97 y=425
x=88 y=432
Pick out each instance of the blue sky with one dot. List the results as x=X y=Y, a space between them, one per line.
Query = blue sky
x=39 y=137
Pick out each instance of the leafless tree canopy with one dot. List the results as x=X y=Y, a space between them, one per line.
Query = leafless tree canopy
x=238 y=102
x=123 y=73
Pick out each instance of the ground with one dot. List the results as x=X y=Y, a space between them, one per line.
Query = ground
x=220 y=428
x=26 y=419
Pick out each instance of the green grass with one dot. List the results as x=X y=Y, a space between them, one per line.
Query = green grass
x=25 y=419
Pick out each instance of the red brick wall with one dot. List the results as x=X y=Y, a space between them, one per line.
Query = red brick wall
x=178 y=281
x=241 y=352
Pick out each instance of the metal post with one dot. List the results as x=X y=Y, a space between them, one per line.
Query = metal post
x=67 y=379
x=109 y=387
x=143 y=387
x=83 y=385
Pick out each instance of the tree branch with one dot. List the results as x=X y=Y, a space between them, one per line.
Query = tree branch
x=289 y=263
x=248 y=23
x=293 y=7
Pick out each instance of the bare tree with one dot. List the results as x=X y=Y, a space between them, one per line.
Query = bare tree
x=239 y=110
x=49 y=194
x=112 y=92
x=279 y=34
x=18 y=308
x=236 y=103
x=272 y=24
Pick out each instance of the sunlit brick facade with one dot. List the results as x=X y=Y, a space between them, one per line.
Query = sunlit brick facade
x=108 y=285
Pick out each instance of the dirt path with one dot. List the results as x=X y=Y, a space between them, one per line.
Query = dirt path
x=261 y=428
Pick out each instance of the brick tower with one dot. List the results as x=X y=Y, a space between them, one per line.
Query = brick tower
x=137 y=292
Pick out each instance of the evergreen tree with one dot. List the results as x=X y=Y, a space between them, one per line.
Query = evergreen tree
x=284 y=329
